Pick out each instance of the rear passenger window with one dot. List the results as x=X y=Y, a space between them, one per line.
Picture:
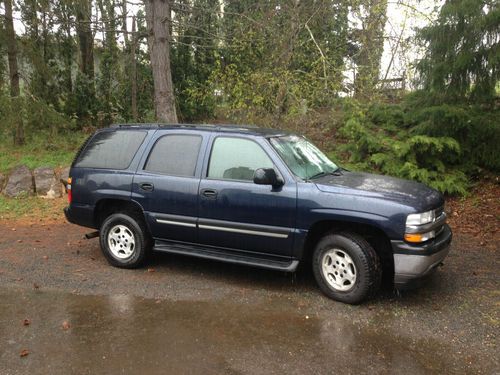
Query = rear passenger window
x=111 y=149
x=175 y=155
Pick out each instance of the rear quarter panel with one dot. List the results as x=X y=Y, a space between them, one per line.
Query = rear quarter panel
x=90 y=185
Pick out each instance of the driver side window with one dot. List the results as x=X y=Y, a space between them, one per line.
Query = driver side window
x=236 y=159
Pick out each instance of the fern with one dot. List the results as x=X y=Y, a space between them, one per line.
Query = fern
x=424 y=158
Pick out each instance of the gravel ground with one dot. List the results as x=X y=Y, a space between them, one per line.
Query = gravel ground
x=220 y=318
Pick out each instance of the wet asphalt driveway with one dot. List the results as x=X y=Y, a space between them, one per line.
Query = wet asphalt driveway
x=184 y=315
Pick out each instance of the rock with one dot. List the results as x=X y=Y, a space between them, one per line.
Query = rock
x=20 y=182
x=46 y=184
x=2 y=181
x=63 y=179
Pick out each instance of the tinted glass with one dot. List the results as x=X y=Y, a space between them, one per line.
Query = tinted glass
x=111 y=149
x=175 y=155
x=236 y=159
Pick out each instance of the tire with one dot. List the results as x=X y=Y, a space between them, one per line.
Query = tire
x=346 y=267
x=124 y=240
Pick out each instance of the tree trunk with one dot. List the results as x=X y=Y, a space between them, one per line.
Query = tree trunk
x=157 y=18
x=68 y=52
x=372 y=47
x=124 y=22
x=13 y=71
x=133 y=71
x=85 y=37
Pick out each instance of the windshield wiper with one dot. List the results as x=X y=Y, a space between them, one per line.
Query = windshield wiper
x=336 y=172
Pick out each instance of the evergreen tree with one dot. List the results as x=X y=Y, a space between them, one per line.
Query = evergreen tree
x=462 y=52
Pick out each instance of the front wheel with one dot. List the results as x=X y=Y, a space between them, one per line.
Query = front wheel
x=346 y=267
x=124 y=240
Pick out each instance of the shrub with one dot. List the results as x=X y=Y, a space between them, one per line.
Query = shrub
x=476 y=129
x=378 y=140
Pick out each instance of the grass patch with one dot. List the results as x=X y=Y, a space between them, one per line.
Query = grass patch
x=41 y=150
x=31 y=208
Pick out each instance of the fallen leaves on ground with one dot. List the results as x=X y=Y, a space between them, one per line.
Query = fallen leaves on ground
x=66 y=325
x=477 y=215
x=26 y=322
x=24 y=353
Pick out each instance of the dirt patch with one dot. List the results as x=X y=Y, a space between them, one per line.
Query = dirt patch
x=477 y=215
x=450 y=325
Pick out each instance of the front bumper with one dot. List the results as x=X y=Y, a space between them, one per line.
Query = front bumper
x=414 y=262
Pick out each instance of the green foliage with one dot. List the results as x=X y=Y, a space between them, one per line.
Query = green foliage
x=280 y=59
x=462 y=55
x=271 y=63
x=474 y=126
x=38 y=117
x=194 y=54
x=378 y=141
x=43 y=149
x=51 y=138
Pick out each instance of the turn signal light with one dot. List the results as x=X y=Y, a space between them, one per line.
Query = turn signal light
x=413 y=237
x=420 y=237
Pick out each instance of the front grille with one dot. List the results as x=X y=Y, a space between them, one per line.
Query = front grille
x=437 y=214
x=438 y=211
x=439 y=230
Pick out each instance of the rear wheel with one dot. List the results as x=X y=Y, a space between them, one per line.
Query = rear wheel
x=124 y=240
x=346 y=267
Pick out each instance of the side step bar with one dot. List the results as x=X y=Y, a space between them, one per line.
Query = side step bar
x=207 y=253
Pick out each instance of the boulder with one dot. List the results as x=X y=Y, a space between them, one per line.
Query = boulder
x=46 y=184
x=63 y=179
x=20 y=182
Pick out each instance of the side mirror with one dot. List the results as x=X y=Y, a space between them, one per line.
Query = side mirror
x=267 y=176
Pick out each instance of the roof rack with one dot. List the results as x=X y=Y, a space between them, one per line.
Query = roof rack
x=131 y=125
x=206 y=126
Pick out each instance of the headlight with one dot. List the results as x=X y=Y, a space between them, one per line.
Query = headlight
x=416 y=228
x=419 y=219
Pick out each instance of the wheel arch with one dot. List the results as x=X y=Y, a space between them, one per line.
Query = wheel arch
x=107 y=206
x=375 y=236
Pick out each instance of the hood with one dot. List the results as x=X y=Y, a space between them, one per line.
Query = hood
x=410 y=193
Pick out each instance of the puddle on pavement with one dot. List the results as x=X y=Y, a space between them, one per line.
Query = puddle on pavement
x=125 y=334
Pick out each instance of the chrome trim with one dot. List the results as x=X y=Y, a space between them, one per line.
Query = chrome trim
x=179 y=223
x=244 y=231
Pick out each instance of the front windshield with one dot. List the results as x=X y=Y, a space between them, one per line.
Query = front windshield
x=303 y=158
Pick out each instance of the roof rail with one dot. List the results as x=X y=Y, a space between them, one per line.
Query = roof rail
x=133 y=125
x=189 y=125
x=223 y=127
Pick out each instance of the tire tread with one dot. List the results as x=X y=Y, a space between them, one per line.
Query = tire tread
x=370 y=264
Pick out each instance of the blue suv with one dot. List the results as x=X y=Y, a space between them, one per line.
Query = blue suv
x=258 y=197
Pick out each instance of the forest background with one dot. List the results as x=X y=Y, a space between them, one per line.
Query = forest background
x=406 y=88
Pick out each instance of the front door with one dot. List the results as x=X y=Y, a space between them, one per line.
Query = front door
x=235 y=213
x=167 y=183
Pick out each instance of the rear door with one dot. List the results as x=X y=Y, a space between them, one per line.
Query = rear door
x=167 y=181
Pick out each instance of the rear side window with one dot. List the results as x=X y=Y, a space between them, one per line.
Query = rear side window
x=111 y=149
x=175 y=155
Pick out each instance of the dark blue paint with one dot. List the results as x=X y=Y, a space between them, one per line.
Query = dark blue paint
x=379 y=201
